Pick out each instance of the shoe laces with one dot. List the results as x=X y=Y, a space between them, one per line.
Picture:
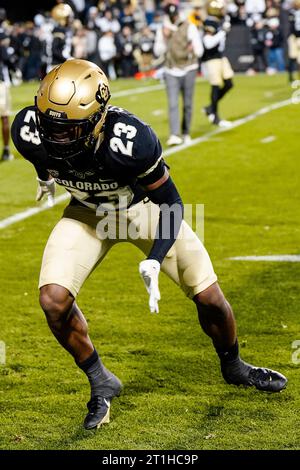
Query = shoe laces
x=95 y=403
x=260 y=374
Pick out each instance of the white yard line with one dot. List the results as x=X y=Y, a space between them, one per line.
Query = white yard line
x=30 y=212
x=239 y=122
x=276 y=258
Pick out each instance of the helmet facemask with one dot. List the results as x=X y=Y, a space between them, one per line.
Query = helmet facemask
x=72 y=104
x=64 y=139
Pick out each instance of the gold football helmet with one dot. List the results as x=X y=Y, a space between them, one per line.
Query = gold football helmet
x=71 y=108
x=216 y=8
x=296 y=4
x=61 y=13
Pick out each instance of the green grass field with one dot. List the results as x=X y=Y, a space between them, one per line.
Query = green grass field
x=174 y=396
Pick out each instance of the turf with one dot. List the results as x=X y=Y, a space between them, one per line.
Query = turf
x=174 y=396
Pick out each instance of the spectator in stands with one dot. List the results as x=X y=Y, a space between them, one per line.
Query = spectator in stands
x=274 y=42
x=108 y=23
x=257 y=41
x=108 y=52
x=180 y=41
x=127 y=17
x=149 y=6
x=32 y=50
x=254 y=7
x=92 y=19
x=144 y=50
x=80 y=45
x=197 y=15
x=125 y=47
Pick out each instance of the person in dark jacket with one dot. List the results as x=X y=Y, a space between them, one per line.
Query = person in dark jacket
x=274 y=42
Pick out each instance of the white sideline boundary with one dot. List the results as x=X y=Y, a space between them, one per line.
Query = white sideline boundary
x=30 y=212
x=272 y=258
x=198 y=140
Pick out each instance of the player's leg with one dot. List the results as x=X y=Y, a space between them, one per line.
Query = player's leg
x=292 y=56
x=198 y=280
x=4 y=113
x=72 y=252
x=227 y=74
x=298 y=56
x=173 y=90
x=188 y=94
x=214 y=74
x=228 y=84
x=188 y=264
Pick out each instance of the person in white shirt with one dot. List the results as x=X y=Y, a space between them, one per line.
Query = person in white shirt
x=179 y=41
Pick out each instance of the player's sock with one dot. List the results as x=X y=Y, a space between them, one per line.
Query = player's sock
x=228 y=84
x=229 y=354
x=103 y=382
x=104 y=387
x=215 y=90
x=291 y=69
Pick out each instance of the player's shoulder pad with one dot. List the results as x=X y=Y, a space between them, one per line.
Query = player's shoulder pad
x=24 y=131
x=131 y=141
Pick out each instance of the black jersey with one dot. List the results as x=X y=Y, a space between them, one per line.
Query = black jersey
x=6 y=58
x=128 y=158
x=61 y=44
x=212 y=26
x=294 y=20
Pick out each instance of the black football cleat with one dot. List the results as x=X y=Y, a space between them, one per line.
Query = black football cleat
x=6 y=156
x=207 y=110
x=238 y=372
x=99 y=405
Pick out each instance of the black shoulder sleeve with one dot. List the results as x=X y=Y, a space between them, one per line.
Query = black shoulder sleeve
x=147 y=153
x=27 y=141
x=170 y=218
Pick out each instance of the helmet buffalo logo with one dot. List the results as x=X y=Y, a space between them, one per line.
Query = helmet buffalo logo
x=103 y=94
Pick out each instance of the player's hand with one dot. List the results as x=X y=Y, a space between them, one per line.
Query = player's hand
x=226 y=26
x=46 y=188
x=149 y=270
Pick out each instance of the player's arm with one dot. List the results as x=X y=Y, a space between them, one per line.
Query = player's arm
x=211 y=40
x=162 y=191
x=26 y=139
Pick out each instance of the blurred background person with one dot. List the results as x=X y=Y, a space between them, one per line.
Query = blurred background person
x=5 y=106
x=179 y=41
x=108 y=52
x=143 y=52
x=216 y=66
x=274 y=42
x=258 y=48
x=32 y=47
x=125 y=53
x=80 y=41
x=62 y=34
x=108 y=22
x=294 y=39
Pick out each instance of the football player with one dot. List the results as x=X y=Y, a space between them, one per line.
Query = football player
x=111 y=163
x=294 y=39
x=215 y=65
x=62 y=34
x=5 y=100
